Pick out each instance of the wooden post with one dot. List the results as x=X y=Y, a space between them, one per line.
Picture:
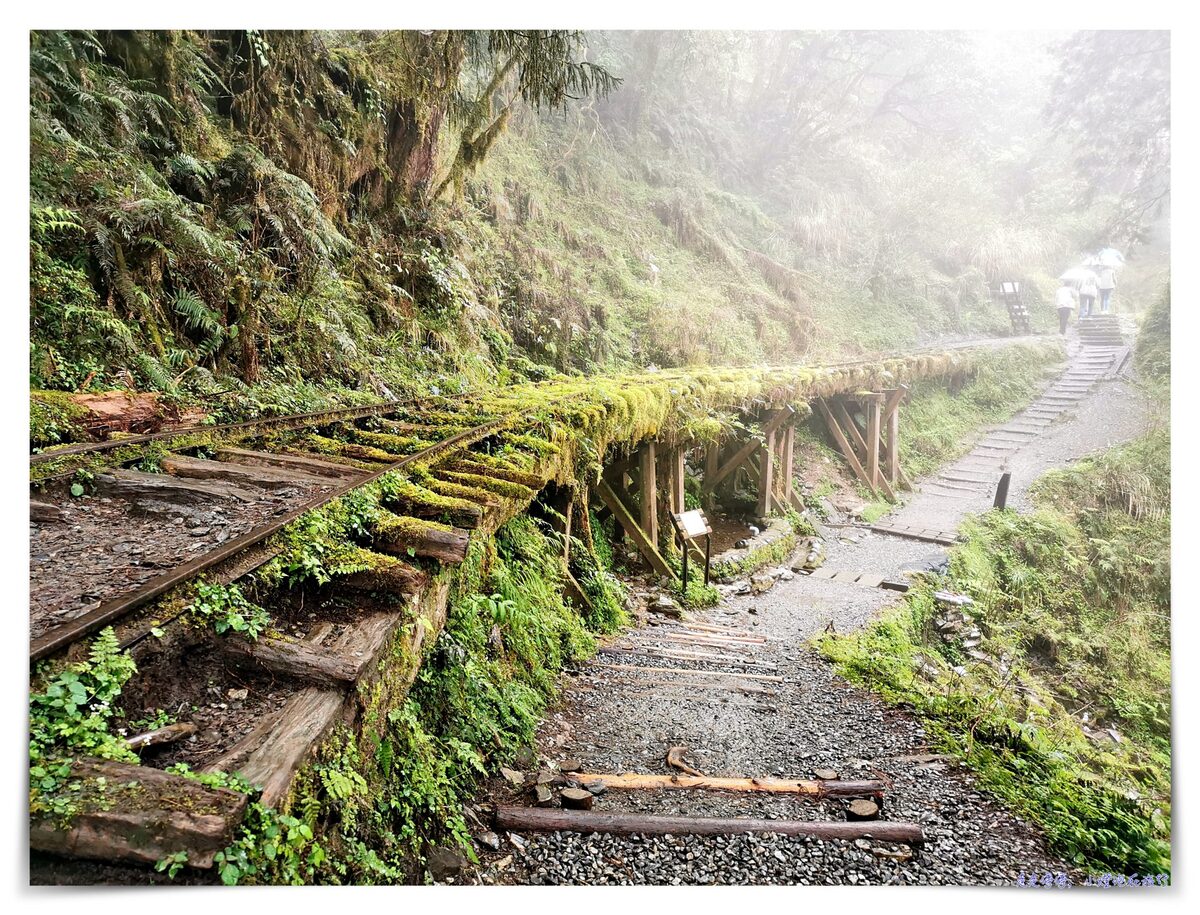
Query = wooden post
x=766 y=478
x=892 y=415
x=675 y=479
x=648 y=462
x=787 y=465
x=873 y=424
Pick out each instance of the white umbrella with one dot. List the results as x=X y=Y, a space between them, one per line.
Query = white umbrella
x=1110 y=257
x=1077 y=275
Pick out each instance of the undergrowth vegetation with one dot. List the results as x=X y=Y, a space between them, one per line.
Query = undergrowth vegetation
x=939 y=426
x=1065 y=711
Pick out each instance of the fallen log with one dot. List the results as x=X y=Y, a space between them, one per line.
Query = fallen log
x=160 y=736
x=527 y=819
x=820 y=788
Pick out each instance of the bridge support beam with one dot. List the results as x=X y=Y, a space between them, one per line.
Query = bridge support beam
x=866 y=429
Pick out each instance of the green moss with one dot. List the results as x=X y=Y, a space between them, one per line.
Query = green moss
x=759 y=557
x=54 y=417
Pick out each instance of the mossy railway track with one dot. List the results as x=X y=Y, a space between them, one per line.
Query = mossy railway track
x=357 y=564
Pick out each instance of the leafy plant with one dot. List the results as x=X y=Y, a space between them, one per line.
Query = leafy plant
x=71 y=716
x=226 y=609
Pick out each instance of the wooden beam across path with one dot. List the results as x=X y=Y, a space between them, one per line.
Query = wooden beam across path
x=523 y=819
x=645 y=546
x=736 y=674
x=633 y=781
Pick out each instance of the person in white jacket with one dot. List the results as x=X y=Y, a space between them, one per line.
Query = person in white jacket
x=1106 y=283
x=1087 y=295
x=1064 y=301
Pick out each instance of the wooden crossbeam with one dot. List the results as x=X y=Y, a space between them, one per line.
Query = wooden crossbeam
x=848 y=450
x=647 y=547
x=747 y=451
x=839 y=437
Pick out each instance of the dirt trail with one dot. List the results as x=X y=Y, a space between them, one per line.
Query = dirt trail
x=615 y=719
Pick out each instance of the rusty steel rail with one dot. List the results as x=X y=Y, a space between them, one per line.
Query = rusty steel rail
x=251 y=426
x=112 y=610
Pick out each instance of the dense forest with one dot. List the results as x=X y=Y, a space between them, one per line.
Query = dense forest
x=273 y=221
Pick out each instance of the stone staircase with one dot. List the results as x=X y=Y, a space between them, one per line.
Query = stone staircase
x=1101 y=330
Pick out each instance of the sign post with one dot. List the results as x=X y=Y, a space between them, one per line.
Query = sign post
x=688 y=526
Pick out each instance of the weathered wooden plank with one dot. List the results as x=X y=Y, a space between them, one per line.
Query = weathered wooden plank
x=301 y=660
x=142 y=816
x=737 y=674
x=142 y=488
x=310 y=465
x=273 y=478
x=447 y=546
x=518 y=819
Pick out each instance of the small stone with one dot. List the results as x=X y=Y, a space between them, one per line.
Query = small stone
x=862 y=809
x=761 y=582
x=490 y=840
x=525 y=758
x=825 y=774
x=513 y=777
x=237 y=693
x=445 y=862
x=597 y=788
x=570 y=765
x=576 y=798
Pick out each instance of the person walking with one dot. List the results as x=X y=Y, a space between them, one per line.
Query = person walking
x=1106 y=282
x=1087 y=295
x=1064 y=300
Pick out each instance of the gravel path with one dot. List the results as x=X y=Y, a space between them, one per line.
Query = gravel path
x=618 y=720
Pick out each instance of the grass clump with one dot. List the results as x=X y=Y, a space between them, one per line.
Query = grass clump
x=1073 y=601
